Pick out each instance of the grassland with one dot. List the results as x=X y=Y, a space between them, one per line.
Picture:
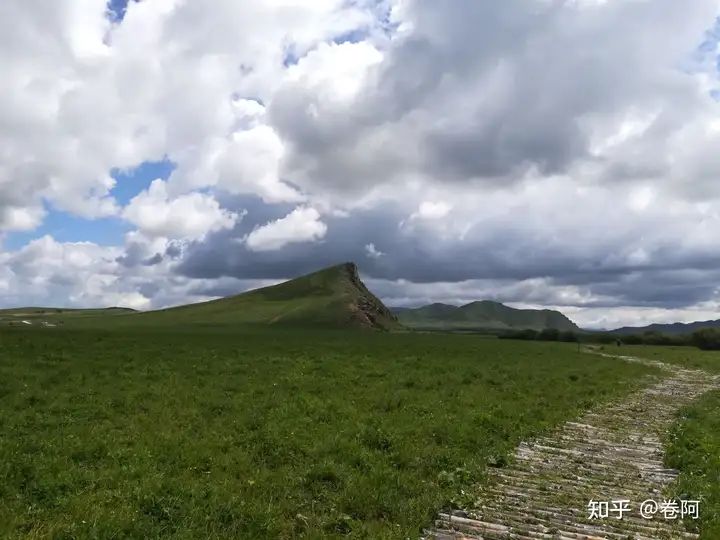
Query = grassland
x=226 y=432
x=694 y=449
x=690 y=357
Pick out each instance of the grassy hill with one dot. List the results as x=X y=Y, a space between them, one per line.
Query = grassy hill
x=333 y=298
x=483 y=315
x=670 y=329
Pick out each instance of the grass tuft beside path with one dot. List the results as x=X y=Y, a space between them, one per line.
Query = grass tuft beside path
x=694 y=449
x=689 y=357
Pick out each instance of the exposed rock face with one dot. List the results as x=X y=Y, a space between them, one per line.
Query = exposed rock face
x=367 y=307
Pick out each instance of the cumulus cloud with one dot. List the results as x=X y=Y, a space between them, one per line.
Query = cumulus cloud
x=372 y=252
x=301 y=225
x=137 y=275
x=83 y=94
x=540 y=153
x=46 y=272
x=466 y=95
x=21 y=218
x=432 y=210
x=189 y=216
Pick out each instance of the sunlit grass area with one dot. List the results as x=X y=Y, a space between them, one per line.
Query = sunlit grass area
x=248 y=434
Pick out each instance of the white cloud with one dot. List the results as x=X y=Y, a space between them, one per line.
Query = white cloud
x=301 y=225
x=372 y=252
x=14 y=218
x=611 y=318
x=432 y=210
x=190 y=216
x=65 y=274
x=447 y=112
x=67 y=118
x=333 y=73
x=49 y=273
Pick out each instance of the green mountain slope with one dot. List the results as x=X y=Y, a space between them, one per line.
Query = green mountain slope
x=334 y=297
x=484 y=315
x=677 y=329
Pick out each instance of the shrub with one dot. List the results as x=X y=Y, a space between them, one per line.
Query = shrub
x=632 y=339
x=520 y=334
x=549 y=334
x=707 y=339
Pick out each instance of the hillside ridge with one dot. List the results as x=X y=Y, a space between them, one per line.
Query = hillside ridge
x=677 y=328
x=331 y=297
x=483 y=315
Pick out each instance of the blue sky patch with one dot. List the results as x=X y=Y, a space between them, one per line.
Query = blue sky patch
x=116 y=9
x=65 y=227
x=109 y=231
x=709 y=46
x=131 y=182
x=290 y=57
x=354 y=36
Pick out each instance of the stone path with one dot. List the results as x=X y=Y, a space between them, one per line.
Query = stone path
x=612 y=453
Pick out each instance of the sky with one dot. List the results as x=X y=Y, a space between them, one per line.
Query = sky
x=541 y=153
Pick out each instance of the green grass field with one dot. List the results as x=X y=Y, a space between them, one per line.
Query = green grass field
x=690 y=357
x=694 y=449
x=229 y=433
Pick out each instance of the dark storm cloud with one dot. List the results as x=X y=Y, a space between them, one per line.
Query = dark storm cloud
x=488 y=90
x=174 y=250
x=405 y=253
x=499 y=255
x=152 y=261
x=150 y=290
x=134 y=255
x=658 y=288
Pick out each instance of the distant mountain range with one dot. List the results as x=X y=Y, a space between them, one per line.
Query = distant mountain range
x=482 y=315
x=672 y=329
x=334 y=297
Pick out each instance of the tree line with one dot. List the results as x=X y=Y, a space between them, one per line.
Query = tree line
x=706 y=339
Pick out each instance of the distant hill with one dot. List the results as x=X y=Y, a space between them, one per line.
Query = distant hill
x=57 y=315
x=334 y=297
x=67 y=311
x=483 y=315
x=670 y=329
